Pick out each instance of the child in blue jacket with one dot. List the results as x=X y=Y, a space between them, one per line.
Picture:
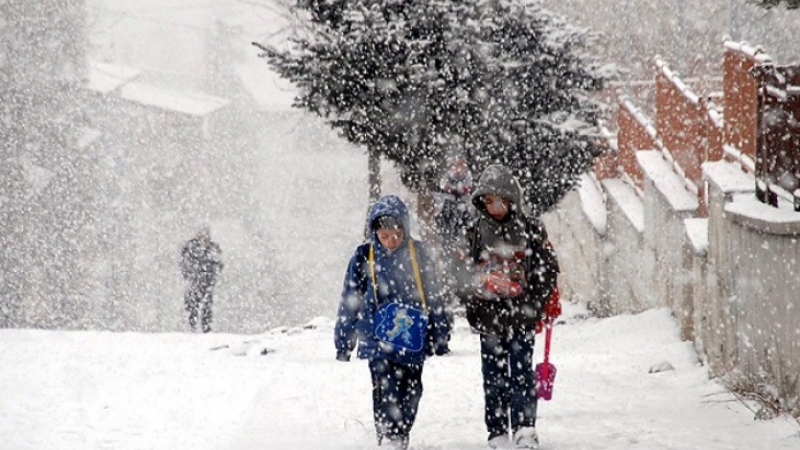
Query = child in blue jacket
x=391 y=279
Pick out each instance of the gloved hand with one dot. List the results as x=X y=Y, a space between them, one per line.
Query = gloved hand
x=552 y=310
x=553 y=306
x=501 y=284
x=343 y=357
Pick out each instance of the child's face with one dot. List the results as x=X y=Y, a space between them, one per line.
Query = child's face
x=496 y=205
x=391 y=238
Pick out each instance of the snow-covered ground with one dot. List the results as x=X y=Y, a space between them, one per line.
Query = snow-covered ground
x=283 y=390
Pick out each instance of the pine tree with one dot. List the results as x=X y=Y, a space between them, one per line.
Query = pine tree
x=416 y=80
x=540 y=120
x=790 y=4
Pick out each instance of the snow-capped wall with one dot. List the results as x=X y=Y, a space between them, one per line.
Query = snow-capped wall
x=628 y=286
x=577 y=229
x=731 y=279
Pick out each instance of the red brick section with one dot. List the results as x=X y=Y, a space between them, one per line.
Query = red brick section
x=687 y=127
x=680 y=124
x=632 y=137
x=740 y=100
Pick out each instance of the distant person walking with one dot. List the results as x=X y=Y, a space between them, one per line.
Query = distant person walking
x=454 y=213
x=200 y=264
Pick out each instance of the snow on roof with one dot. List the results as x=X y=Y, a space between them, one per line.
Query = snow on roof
x=190 y=103
x=670 y=184
x=754 y=52
x=748 y=211
x=105 y=77
x=630 y=203
x=593 y=204
x=728 y=177
x=267 y=89
x=697 y=233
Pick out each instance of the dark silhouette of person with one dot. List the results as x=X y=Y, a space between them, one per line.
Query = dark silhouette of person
x=201 y=264
x=455 y=213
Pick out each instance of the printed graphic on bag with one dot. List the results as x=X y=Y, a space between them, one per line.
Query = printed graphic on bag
x=402 y=326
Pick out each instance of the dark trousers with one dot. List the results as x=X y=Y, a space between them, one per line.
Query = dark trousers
x=508 y=381
x=396 y=392
x=198 y=302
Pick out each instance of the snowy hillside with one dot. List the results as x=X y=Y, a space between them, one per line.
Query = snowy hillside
x=283 y=390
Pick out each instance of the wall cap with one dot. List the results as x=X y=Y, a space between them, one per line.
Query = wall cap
x=697 y=235
x=728 y=177
x=747 y=211
x=593 y=204
x=756 y=53
x=625 y=197
x=670 y=184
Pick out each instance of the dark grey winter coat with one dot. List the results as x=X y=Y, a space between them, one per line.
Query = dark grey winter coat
x=487 y=236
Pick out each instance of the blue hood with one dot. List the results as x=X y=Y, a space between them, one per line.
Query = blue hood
x=388 y=205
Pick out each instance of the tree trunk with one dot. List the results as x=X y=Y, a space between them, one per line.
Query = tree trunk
x=425 y=213
x=374 y=168
x=374 y=181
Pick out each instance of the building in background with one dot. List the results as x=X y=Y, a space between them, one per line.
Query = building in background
x=44 y=170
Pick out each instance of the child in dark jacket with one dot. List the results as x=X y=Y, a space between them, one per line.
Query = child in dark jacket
x=390 y=306
x=514 y=280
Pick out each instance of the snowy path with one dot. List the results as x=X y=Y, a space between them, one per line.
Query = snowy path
x=97 y=390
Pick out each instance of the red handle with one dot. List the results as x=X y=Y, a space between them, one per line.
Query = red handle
x=547 y=338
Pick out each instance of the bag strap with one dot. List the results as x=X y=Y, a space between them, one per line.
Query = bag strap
x=372 y=271
x=417 y=275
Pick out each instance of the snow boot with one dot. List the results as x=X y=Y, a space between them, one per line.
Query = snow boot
x=500 y=442
x=526 y=437
x=395 y=443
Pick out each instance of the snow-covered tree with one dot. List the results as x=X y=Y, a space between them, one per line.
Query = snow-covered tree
x=415 y=81
x=537 y=116
x=790 y=4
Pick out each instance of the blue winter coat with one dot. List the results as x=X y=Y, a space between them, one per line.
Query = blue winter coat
x=396 y=282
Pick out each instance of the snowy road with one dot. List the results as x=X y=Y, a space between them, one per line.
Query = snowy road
x=126 y=391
